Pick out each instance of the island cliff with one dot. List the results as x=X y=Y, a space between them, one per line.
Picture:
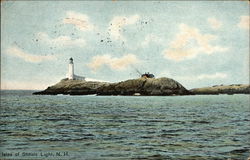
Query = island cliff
x=140 y=86
x=144 y=86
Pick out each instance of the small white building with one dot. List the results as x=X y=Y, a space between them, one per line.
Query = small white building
x=71 y=75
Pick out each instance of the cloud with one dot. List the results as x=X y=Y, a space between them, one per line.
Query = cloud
x=151 y=38
x=244 y=22
x=114 y=63
x=212 y=76
x=189 y=42
x=214 y=23
x=117 y=24
x=80 y=21
x=17 y=52
x=194 y=78
x=61 y=40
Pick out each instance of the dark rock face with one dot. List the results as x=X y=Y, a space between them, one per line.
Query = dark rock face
x=144 y=86
x=141 y=86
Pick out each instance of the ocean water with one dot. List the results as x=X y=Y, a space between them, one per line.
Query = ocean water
x=124 y=127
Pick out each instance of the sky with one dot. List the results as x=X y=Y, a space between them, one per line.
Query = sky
x=197 y=43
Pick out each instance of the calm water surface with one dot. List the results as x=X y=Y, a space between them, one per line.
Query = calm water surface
x=120 y=127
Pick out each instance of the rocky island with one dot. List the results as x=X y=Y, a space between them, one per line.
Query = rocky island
x=146 y=85
x=141 y=86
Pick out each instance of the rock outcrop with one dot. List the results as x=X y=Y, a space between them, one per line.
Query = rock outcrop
x=73 y=87
x=142 y=86
x=223 y=89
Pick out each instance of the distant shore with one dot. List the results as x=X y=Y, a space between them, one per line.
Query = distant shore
x=222 y=89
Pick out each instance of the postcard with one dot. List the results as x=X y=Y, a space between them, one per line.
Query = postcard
x=123 y=79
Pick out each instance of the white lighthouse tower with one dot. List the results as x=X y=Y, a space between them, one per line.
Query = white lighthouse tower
x=71 y=75
x=71 y=69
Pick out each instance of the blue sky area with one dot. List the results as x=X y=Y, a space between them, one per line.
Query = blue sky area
x=196 y=43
